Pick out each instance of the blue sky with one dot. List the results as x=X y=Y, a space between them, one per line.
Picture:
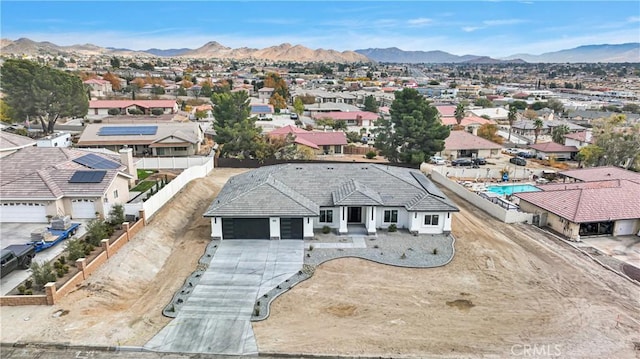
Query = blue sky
x=492 y=28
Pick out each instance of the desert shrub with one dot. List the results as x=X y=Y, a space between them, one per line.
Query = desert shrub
x=62 y=259
x=113 y=111
x=371 y=155
x=28 y=292
x=157 y=111
x=435 y=251
x=97 y=230
x=22 y=289
x=392 y=227
x=75 y=249
x=28 y=284
x=116 y=215
x=326 y=229
x=135 y=111
x=42 y=274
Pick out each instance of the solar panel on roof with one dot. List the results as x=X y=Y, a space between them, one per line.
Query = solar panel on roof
x=260 y=108
x=94 y=161
x=87 y=176
x=127 y=130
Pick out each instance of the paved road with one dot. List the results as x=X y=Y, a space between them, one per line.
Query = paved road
x=216 y=317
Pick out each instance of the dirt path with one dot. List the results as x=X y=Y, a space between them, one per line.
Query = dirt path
x=121 y=303
x=508 y=287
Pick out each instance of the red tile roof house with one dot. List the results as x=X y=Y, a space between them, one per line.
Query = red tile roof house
x=580 y=209
x=555 y=150
x=465 y=144
x=322 y=143
x=101 y=107
x=99 y=87
x=470 y=123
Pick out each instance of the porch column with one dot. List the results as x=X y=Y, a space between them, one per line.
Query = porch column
x=343 y=220
x=370 y=221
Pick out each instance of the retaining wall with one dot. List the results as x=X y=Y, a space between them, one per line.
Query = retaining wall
x=54 y=294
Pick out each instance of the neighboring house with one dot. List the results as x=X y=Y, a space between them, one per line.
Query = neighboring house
x=578 y=139
x=58 y=139
x=317 y=109
x=322 y=143
x=290 y=201
x=265 y=93
x=602 y=207
x=99 y=87
x=102 y=107
x=469 y=123
x=465 y=144
x=495 y=114
x=38 y=182
x=355 y=119
x=553 y=150
x=10 y=143
x=262 y=112
x=149 y=139
x=599 y=174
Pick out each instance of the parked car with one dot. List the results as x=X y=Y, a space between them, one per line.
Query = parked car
x=524 y=154
x=511 y=151
x=479 y=161
x=16 y=256
x=293 y=116
x=462 y=162
x=519 y=161
x=437 y=160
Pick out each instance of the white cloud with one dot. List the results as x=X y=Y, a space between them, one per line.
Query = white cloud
x=633 y=19
x=471 y=28
x=421 y=21
x=503 y=22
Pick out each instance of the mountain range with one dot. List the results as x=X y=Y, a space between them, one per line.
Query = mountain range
x=629 y=52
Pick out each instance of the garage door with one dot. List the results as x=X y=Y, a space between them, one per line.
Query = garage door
x=291 y=228
x=16 y=212
x=245 y=228
x=83 y=208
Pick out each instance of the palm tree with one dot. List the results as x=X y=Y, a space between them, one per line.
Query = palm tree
x=459 y=114
x=511 y=117
x=558 y=133
x=537 y=126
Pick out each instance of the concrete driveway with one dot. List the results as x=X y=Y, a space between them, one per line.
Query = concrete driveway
x=20 y=233
x=215 y=319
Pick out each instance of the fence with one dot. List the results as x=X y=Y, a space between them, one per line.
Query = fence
x=222 y=162
x=357 y=150
x=85 y=269
x=155 y=202
x=507 y=216
x=171 y=162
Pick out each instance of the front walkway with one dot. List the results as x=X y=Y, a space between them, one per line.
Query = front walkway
x=215 y=319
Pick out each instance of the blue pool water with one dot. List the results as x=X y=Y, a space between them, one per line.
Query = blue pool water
x=511 y=189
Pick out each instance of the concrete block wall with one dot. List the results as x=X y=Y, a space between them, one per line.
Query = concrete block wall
x=54 y=294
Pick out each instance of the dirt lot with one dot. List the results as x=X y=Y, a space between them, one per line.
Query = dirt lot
x=121 y=303
x=507 y=288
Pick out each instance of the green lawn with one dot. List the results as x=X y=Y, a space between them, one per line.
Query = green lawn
x=142 y=174
x=143 y=186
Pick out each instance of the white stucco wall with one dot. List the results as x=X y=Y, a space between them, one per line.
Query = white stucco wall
x=403 y=217
x=307 y=227
x=274 y=227
x=216 y=227
x=417 y=223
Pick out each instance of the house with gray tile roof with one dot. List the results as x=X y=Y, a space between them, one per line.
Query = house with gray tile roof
x=38 y=182
x=11 y=142
x=290 y=201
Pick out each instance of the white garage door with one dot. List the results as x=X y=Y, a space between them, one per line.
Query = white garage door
x=17 y=212
x=83 y=208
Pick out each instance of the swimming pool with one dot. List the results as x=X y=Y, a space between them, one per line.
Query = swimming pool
x=511 y=189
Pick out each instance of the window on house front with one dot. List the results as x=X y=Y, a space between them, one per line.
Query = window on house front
x=181 y=148
x=337 y=149
x=391 y=216
x=326 y=216
x=431 y=219
x=115 y=194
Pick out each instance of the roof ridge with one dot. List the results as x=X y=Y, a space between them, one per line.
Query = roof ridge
x=279 y=185
x=575 y=214
x=50 y=183
x=379 y=167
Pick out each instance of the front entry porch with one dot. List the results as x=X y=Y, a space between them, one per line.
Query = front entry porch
x=358 y=219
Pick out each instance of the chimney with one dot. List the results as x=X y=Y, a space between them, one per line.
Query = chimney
x=126 y=158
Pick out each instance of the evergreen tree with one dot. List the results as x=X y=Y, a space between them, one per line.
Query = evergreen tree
x=370 y=104
x=414 y=132
x=235 y=130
